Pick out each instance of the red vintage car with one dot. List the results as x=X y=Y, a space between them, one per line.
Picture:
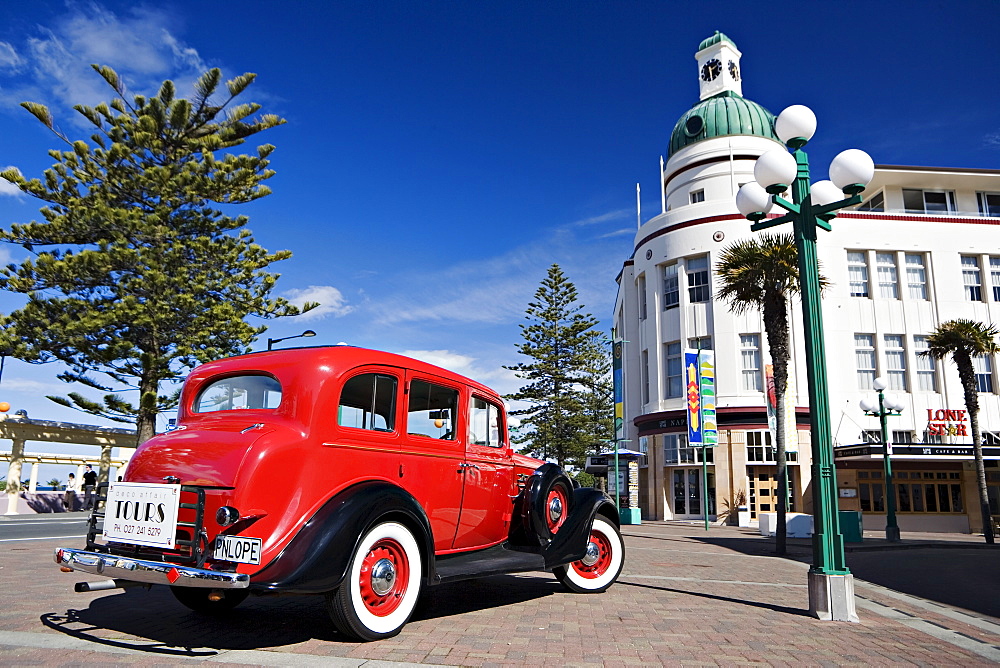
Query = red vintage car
x=357 y=474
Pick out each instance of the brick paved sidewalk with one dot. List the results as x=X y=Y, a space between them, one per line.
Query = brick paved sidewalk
x=687 y=597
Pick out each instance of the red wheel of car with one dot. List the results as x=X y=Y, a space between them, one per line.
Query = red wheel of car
x=382 y=584
x=385 y=573
x=601 y=565
x=556 y=507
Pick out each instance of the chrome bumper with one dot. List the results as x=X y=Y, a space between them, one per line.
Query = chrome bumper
x=151 y=572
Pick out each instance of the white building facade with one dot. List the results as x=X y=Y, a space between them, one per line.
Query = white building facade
x=923 y=248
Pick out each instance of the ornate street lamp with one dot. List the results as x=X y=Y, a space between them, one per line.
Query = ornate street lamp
x=831 y=585
x=886 y=406
x=307 y=333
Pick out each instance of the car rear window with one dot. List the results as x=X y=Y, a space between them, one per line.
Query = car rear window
x=238 y=392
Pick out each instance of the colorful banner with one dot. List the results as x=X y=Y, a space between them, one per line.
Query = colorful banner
x=699 y=373
x=616 y=366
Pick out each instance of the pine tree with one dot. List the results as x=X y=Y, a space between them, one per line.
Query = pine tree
x=134 y=274
x=570 y=411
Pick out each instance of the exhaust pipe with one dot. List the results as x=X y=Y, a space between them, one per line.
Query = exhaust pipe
x=82 y=587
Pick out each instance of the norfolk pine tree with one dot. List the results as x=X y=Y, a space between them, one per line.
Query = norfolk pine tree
x=565 y=386
x=134 y=274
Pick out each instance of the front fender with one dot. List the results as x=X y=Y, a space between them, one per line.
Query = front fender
x=570 y=544
x=317 y=558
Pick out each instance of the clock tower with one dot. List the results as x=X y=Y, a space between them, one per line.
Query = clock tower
x=719 y=66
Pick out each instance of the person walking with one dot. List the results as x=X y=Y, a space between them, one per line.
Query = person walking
x=89 y=485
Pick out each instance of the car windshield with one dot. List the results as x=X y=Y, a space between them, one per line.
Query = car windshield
x=236 y=392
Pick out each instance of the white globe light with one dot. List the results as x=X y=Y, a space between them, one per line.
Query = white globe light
x=824 y=192
x=852 y=167
x=867 y=405
x=774 y=168
x=879 y=384
x=894 y=404
x=795 y=122
x=751 y=199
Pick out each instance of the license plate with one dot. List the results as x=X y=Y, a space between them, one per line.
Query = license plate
x=240 y=549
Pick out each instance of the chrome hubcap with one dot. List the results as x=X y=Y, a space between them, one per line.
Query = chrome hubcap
x=593 y=554
x=555 y=509
x=383 y=576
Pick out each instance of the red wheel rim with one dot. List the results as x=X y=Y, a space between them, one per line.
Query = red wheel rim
x=384 y=604
x=557 y=494
x=603 y=563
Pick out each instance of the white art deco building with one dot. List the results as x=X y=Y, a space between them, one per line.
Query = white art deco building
x=923 y=248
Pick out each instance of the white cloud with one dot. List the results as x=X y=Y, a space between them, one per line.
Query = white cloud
x=331 y=300
x=9 y=59
x=620 y=214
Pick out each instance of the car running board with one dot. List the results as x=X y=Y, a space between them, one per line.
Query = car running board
x=483 y=563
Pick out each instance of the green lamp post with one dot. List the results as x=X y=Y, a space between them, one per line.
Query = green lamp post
x=831 y=585
x=886 y=406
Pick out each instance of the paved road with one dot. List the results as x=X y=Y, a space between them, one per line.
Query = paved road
x=687 y=597
x=33 y=527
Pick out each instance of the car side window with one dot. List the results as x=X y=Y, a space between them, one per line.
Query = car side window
x=368 y=401
x=484 y=423
x=432 y=410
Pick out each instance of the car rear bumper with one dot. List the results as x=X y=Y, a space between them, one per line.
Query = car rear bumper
x=150 y=572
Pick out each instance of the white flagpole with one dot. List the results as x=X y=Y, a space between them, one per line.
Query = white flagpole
x=638 y=208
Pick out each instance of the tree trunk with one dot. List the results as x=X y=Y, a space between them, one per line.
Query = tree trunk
x=145 y=423
x=781 y=531
x=967 y=374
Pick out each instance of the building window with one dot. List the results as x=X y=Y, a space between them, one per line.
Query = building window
x=871 y=436
x=761 y=450
x=928 y=201
x=699 y=289
x=674 y=369
x=983 y=365
x=989 y=204
x=926 y=366
x=750 y=354
x=888 y=280
x=697 y=196
x=857 y=273
x=676 y=451
x=995 y=277
x=932 y=439
x=916 y=491
x=972 y=278
x=671 y=289
x=991 y=438
x=895 y=362
x=642 y=297
x=916 y=275
x=700 y=343
x=864 y=355
x=875 y=203
x=902 y=437
x=644 y=372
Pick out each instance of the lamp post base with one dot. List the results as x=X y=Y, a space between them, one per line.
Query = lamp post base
x=831 y=597
x=892 y=534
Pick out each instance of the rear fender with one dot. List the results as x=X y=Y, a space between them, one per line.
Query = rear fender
x=570 y=544
x=317 y=558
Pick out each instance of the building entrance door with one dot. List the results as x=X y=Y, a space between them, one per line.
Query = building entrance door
x=687 y=493
x=764 y=490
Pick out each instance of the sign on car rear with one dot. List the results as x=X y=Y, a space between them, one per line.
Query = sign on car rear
x=142 y=513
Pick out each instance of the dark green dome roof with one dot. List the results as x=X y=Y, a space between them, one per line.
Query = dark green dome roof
x=715 y=39
x=721 y=115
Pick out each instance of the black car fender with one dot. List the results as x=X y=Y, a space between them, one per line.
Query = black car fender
x=531 y=508
x=570 y=543
x=317 y=558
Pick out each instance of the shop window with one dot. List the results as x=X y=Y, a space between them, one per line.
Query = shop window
x=916 y=491
x=972 y=278
x=916 y=275
x=857 y=273
x=699 y=289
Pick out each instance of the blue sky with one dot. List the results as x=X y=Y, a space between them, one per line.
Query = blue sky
x=439 y=156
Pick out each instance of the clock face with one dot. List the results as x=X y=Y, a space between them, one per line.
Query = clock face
x=734 y=71
x=711 y=70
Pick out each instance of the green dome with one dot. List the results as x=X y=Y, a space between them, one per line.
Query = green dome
x=719 y=116
x=715 y=39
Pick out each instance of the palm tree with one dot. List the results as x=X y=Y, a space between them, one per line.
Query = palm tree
x=963 y=340
x=758 y=274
